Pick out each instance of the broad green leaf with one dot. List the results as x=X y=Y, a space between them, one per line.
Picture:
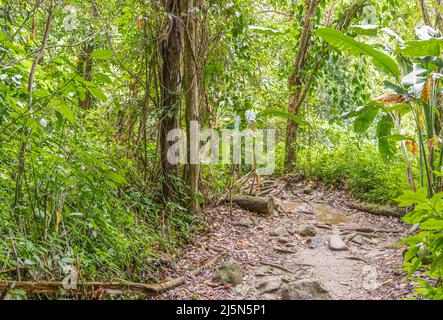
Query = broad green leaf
x=385 y=146
x=437 y=263
x=432 y=224
x=365 y=119
x=103 y=78
x=114 y=177
x=101 y=54
x=98 y=94
x=399 y=137
x=416 y=76
x=421 y=48
x=281 y=114
x=67 y=113
x=394 y=87
x=411 y=253
x=343 y=42
x=365 y=29
x=410 y=197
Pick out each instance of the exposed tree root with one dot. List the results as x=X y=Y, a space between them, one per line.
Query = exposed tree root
x=377 y=209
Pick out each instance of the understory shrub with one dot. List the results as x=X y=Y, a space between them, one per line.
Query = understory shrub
x=345 y=161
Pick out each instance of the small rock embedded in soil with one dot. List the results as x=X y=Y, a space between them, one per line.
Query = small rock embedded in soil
x=316 y=242
x=280 y=232
x=245 y=222
x=230 y=273
x=357 y=239
x=336 y=243
x=308 y=289
x=307 y=231
x=283 y=240
x=269 y=284
x=370 y=277
x=308 y=189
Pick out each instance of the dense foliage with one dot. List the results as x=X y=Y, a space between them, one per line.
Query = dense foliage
x=85 y=97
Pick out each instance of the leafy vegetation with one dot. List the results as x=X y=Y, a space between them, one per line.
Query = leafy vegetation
x=90 y=89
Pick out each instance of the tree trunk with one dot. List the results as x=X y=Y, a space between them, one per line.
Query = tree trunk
x=425 y=13
x=300 y=85
x=295 y=85
x=438 y=17
x=84 y=69
x=260 y=205
x=31 y=79
x=170 y=92
x=192 y=107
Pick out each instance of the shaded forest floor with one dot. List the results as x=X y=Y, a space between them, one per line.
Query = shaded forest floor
x=294 y=244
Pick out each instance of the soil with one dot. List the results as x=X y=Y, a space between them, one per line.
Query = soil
x=275 y=250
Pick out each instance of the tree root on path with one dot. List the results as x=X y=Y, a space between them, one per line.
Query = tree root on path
x=354 y=258
x=274 y=265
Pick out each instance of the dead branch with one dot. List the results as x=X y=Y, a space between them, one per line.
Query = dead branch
x=90 y=287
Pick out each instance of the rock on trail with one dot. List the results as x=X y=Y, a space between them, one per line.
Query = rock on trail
x=336 y=243
x=305 y=290
x=306 y=249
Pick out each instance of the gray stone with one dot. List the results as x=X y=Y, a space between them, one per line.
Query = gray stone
x=316 y=242
x=245 y=222
x=280 y=232
x=357 y=239
x=262 y=271
x=308 y=189
x=307 y=231
x=268 y=284
x=267 y=296
x=308 y=289
x=283 y=240
x=267 y=271
x=336 y=243
x=230 y=273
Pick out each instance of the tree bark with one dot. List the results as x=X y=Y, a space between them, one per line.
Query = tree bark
x=170 y=92
x=425 y=13
x=383 y=210
x=438 y=17
x=295 y=85
x=192 y=168
x=301 y=86
x=23 y=146
x=260 y=205
x=84 y=69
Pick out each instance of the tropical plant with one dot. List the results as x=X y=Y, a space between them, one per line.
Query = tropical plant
x=415 y=94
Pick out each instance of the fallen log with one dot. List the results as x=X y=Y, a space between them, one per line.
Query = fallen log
x=260 y=205
x=383 y=210
x=88 y=288
x=362 y=230
x=236 y=185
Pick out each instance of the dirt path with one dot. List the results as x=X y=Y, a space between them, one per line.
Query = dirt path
x=278 y=252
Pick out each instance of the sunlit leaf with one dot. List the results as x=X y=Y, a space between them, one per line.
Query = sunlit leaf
x=101 y=54
x=343 y=42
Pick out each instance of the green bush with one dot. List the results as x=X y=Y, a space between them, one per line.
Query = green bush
x=425 y=248
x=348 y=162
